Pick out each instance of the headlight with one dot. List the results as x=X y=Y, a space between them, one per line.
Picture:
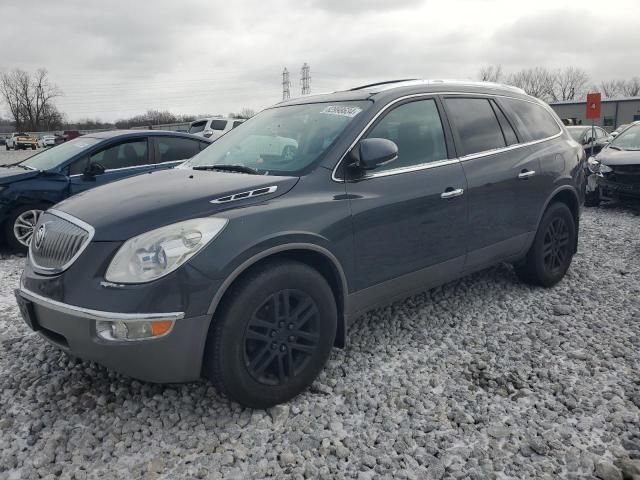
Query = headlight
x=593 y=165
x=605 y=168
x=159 y=252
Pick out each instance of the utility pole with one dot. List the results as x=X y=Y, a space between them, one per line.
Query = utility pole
x=306 y=79
x=286 y=85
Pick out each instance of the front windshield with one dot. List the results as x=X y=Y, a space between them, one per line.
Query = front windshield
x=628 y=140
x=576 y=133
x=55 y=156
x=282 y=140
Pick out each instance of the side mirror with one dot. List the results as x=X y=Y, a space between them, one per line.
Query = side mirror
x=93 y=169
x=370 y=153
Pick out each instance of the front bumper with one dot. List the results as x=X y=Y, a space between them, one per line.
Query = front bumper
x=175 y=357
x=610 y=189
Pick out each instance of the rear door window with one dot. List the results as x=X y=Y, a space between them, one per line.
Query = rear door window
x=170 y=149
x=531 y=119
x=197 y=127
x=218 y=124
x=476 y=124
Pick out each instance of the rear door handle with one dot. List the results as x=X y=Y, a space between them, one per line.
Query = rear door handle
x=523 y=175
x=452 y=193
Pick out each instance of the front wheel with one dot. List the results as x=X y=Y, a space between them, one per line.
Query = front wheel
x=592 y=199
x=20 y=226
x=550 y=255
x=273 y=335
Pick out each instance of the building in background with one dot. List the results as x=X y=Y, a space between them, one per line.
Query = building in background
x=615 y=112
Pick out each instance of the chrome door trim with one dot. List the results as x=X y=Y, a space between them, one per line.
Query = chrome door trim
x=527 y=174
x=458 y=192
x=463 y=158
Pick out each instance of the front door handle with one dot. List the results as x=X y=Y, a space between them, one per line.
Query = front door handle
x=452 y=192
x=523 y=175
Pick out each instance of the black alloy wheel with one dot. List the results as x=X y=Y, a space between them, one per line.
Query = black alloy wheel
x=281 y=337
x=556 y=246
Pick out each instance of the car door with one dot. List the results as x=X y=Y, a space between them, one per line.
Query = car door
x=410 y=215
x=503 y=180
x=119 y=160
x=171 y=151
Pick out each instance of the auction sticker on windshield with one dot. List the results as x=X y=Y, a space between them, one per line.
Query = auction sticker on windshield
x=342 y=110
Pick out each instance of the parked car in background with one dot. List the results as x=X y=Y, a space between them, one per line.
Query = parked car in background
x=213 y=128
x=3 y=140
x=391 y=189
x=21 y=141
x=70 y=135
x=47 y=141
x=591 y=138
x=30 y=187
x=615 y=171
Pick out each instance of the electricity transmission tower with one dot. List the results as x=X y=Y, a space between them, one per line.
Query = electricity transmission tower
x=306 y=79
x=286 y=85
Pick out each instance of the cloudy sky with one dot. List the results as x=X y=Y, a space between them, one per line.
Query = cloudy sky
x=118 y=58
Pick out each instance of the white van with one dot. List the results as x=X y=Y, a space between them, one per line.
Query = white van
x=213 y=127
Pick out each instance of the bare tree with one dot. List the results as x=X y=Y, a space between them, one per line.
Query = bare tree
x=537 y=81
x=244 y=113
x=611 y=88
x=491 y=73
x=631 y=87
x=29 y=98
x=569 y=84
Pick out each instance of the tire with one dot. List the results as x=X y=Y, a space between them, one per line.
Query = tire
x=556 y=236
x=13 y=242
x=6 y=147
x=592 y=199
x=258 y=360
x=33 y=147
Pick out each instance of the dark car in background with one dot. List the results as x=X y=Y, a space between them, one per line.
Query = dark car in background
x=33 y=185
x=248 y=262
x=615 y=171
x=592 y=139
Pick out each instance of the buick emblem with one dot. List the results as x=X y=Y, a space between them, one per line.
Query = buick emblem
x=39 y=236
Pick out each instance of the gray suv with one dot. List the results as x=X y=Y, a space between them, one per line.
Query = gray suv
x=248 y=263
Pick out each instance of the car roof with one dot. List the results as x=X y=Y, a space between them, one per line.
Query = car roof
x=133 y=133
x=398 y=88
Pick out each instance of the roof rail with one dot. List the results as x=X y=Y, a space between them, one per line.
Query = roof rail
x=413 y=81
x=362 y=87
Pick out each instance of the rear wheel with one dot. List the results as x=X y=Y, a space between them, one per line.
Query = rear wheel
x=273 y=336
x=550 y=255
x=20 y=226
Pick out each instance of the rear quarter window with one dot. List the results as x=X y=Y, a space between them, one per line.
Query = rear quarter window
x=218 y=124
x=197 y=127
x=533 y=121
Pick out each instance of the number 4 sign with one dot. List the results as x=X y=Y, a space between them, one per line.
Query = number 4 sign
x=593 y=105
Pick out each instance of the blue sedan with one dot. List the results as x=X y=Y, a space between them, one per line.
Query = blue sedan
x=30 y=187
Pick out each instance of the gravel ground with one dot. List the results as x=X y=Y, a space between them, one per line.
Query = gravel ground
x=482 y=378
x=13 y=156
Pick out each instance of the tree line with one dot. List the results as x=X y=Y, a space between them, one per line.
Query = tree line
x=570 y=83
x=30 y=101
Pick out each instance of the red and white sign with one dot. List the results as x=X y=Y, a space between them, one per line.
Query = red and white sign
x=593 y=105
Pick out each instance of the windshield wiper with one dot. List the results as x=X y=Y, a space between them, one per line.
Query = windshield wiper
x=228 y=168
x=614 y=147
x=8 y=165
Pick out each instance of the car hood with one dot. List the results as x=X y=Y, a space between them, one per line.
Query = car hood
x=14 y=174
x=611 y=156
x=126 y=208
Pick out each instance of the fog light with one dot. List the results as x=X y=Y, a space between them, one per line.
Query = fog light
x=133 y=330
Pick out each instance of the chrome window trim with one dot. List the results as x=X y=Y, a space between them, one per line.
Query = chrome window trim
x=76 y=221
x=97 y=315
x=437 y=163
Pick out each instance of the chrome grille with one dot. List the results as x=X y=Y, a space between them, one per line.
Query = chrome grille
x=58 y=240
